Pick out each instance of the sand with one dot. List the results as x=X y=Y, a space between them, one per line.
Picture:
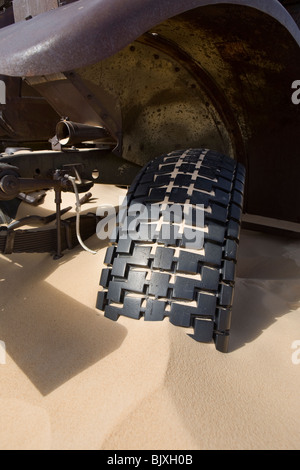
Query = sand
x=76 y=380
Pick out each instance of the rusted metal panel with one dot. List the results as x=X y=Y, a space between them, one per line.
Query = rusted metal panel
x=29 y=8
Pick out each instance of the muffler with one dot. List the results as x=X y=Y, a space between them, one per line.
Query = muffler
x=71 y=133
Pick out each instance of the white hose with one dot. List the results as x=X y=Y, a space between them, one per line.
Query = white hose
x=78 y=210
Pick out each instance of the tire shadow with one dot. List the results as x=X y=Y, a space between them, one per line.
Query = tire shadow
x=267 y=285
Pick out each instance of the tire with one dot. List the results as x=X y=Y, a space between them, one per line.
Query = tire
x=157 y=276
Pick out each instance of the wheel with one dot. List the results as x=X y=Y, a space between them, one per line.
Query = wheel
x=175 y=267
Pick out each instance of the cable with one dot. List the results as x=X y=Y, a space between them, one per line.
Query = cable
x=78 y=210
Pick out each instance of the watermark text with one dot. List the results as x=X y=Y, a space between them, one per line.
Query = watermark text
x=2 y=92
x=296 y=353
x=162 y=222
x=2 y=353
x=156 y=460
x=296 y=94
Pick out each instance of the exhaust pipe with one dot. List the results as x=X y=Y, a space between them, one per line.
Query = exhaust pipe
x=71 y=133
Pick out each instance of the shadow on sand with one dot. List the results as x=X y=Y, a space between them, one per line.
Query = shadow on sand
x=49 y=335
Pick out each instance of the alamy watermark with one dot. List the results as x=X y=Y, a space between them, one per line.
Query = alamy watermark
x=2 y=353
x=2 y=92
x=296 y=353
x=157 y=460
x=163 y=222
x=296 y=93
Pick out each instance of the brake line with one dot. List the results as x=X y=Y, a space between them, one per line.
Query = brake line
x=78 y=210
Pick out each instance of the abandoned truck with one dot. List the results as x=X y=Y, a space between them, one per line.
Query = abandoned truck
x=194 y=105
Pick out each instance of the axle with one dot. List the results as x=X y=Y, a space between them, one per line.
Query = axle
x=11 y=185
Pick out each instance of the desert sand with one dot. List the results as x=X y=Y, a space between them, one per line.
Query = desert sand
x=76 y=380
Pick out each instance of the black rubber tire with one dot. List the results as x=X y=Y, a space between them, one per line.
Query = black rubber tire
x=157 y=277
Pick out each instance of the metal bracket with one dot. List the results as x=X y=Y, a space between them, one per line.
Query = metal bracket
x=34 y=199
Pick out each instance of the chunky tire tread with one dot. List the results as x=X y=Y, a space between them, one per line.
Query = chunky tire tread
x=162 y=277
